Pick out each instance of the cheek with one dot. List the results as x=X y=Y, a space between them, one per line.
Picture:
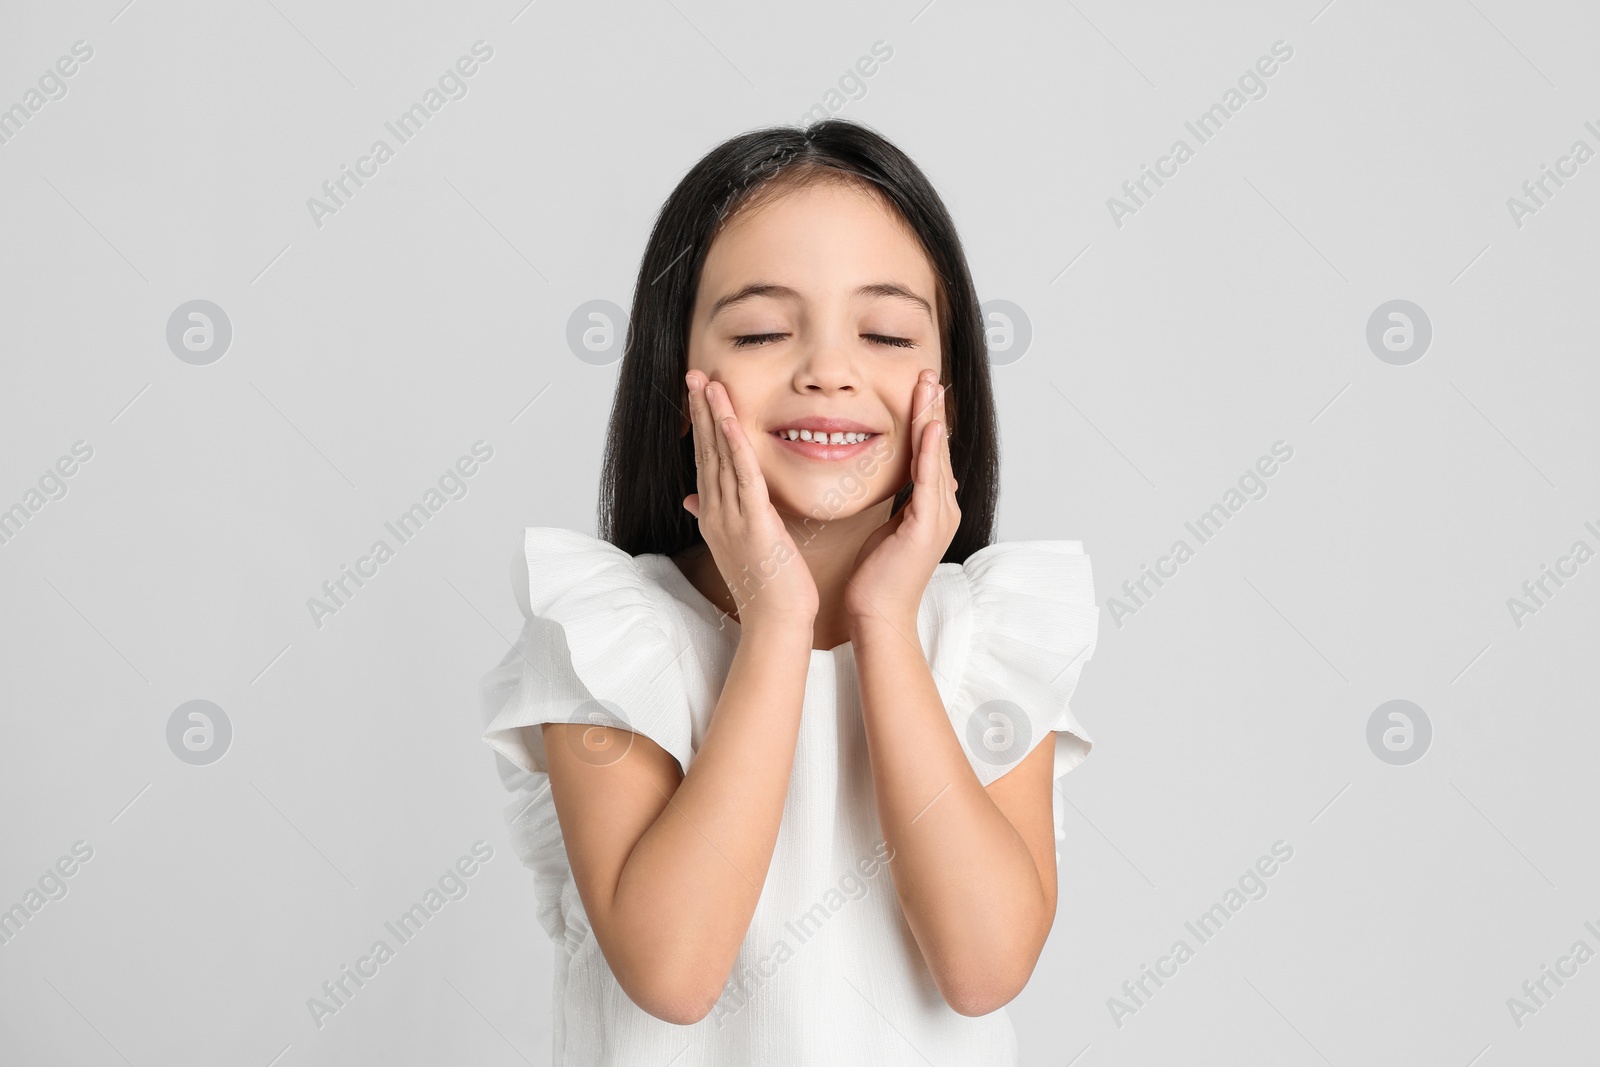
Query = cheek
x=749 y=425
x=890 y=457
x=746 y=401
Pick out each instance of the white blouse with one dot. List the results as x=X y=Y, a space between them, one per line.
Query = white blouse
x=828 y=972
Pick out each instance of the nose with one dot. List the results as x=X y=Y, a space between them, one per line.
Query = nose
x=827 y=367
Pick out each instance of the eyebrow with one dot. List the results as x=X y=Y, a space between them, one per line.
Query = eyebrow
x=893 y=290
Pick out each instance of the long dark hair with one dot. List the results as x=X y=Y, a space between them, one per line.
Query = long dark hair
x=648 y=467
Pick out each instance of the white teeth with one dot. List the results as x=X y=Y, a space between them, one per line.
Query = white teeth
x=825 y=438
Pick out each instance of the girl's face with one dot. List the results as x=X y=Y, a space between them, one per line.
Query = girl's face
x=819 y=305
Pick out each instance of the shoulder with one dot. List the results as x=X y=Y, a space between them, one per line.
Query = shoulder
x=601 y=645
x=1016 y=568
x=1008 y=632
x=553 y=567
x=603 y=642
x=581 y=582
x=1042 y=581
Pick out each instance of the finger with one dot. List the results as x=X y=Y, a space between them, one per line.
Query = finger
x=932 y=476
x=704 y=455
x=927 y=394
x=751 y=485
x=947 y=475
x=916 y=508
x=941 y=470
x=727 y=477
x=925 y=410
x=939 y=475
x=923 y=448
x=740 y=455
x=705 y=448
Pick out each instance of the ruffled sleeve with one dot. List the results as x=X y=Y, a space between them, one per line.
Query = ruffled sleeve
x=591 y=650
x=1031 y=624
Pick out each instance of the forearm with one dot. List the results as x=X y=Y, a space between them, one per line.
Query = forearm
x=966 y=880
x=687 y=893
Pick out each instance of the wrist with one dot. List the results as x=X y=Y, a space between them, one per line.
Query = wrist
x=867 y=624
x=778 y=627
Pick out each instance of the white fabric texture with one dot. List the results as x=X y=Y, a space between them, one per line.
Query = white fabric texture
x=828 y=972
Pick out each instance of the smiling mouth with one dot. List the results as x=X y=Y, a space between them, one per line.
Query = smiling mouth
x=847 y=437
x=823 y=446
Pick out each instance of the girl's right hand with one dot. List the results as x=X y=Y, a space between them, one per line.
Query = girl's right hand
x=747 y=537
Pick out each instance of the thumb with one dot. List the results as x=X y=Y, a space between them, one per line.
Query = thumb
x=881 y=534
x=691 y=504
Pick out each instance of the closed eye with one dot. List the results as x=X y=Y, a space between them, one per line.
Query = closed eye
x=756 y=339
x=753 y=338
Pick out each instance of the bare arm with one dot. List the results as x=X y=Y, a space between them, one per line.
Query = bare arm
x=670 y=865
x=974 y=868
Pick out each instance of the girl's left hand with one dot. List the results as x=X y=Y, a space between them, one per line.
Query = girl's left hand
x=894 y=566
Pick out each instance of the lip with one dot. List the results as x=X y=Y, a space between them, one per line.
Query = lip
x=828 y=453
x=827 y=424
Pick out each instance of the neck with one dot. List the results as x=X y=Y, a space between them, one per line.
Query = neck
x=830 y=549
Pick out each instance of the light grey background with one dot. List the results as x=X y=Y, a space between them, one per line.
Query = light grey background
x=1167 y=355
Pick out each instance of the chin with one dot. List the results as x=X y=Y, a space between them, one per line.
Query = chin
x=826 y=499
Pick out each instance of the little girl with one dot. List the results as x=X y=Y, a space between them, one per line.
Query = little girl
x=784 y=738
